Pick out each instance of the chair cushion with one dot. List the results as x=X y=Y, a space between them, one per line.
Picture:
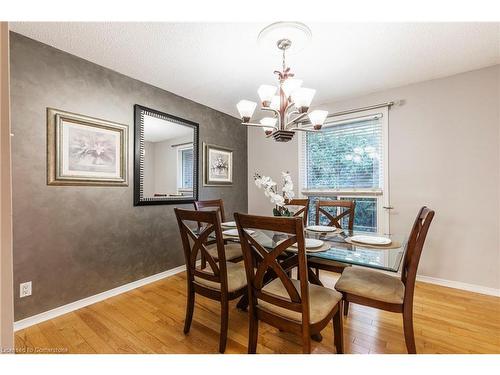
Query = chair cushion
x=371 y=284
x=321 y=301
x=233 y=251
x=236 y=278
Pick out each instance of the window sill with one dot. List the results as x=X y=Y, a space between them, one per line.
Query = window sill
x=341 y=192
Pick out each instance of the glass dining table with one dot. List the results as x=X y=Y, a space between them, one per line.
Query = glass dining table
x=337 y=247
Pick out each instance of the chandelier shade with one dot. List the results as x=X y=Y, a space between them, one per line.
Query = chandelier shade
x=268 y=124
x=302 y=98
x=317 y=118
x=290 y=85
x=275 y=103
x=266 y=93
x=246 y=109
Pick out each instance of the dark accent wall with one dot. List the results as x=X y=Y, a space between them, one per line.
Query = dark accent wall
x=74 y=242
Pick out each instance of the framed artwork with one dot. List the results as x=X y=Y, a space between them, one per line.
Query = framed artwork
x=218 y=165
x=83 y=150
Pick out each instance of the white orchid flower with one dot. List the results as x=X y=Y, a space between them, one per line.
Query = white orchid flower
x=277 y=199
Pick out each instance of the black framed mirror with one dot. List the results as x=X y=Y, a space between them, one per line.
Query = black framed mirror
x=166 y=158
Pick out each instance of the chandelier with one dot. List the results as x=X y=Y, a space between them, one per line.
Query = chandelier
x=288 y=102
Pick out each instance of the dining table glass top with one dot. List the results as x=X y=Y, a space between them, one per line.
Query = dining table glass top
x=338 y=247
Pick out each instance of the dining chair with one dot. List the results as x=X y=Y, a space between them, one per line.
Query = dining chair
x=290 y=305
x=347 y=208
x=217 y=204
x=221 y=281
x=304 y=211
x=390 y=293
x=233 y=250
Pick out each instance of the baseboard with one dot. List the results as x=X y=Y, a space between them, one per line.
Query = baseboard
x=459 y=285
x=51 y=314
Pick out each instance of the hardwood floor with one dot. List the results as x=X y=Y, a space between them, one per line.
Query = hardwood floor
x=150 y=320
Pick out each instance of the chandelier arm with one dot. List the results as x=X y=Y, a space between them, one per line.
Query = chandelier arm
x=305 y=130
x=257 y=125
x=293 y=121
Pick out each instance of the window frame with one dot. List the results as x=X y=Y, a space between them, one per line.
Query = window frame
x=381 y=194
x=180 y=168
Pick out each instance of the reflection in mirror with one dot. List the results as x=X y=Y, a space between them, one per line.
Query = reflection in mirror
x=168 y=158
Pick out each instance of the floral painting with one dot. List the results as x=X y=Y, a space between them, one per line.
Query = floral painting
x=218 y=165
x=92 y=150
x=85 y=151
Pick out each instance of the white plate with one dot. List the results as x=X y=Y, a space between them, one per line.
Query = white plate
x=321 y=228
x=229 y=224
x=371 y=240
x=311 y=243
x=234 y=232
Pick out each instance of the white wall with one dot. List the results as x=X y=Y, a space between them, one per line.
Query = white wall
x=444 y=153
x=269 y=158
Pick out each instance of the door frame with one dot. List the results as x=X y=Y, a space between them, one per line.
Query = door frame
x=6 y=273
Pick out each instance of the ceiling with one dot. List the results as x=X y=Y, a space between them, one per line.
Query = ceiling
x=217 y=64
x=159 y=130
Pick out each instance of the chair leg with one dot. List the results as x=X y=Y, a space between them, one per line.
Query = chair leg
x=243 y=303
x=253 y=332
x=203 y=264
x=224 y=321
x=346 y=307
x=189 y=309
x=338 y=330
x=408 y=329
x=306 y=343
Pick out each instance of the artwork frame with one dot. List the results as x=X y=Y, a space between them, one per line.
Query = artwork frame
x=85 y=151
x=221 y=178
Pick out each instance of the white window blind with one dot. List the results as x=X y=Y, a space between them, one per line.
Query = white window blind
x=347 y=155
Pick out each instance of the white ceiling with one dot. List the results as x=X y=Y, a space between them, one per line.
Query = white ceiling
x=217 y=64
x=158 y=130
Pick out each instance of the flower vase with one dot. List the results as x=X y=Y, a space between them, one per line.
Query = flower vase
x=282 y=211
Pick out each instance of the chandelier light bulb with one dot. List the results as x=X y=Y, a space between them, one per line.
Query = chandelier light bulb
x=302 y=97
x=290 y=85
x=246 y=109
x=266 y=93
x=317 y=118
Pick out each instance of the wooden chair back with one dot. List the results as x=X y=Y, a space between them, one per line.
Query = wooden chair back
x=217 y=204
x=259 y=261
x=414 y=250
x=335 y=220
x=194 y=244
x=304 y=211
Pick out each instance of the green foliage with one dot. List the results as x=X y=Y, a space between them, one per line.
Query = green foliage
x=346 y=156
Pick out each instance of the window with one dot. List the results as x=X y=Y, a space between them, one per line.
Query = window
x=185 y=171
x=347 y=160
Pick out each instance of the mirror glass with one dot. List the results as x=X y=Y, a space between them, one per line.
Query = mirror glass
x=168 y=159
